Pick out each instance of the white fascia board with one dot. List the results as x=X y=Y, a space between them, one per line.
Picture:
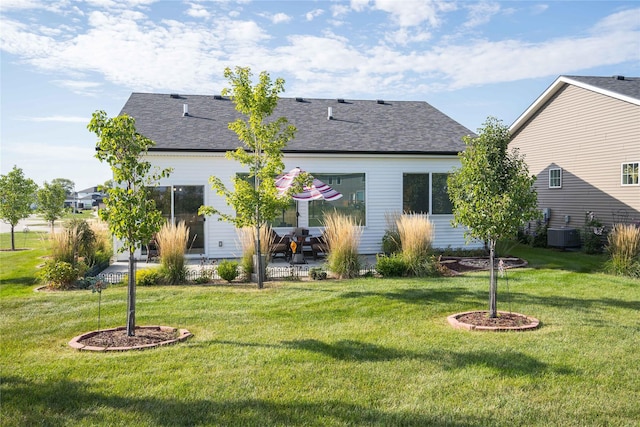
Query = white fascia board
x=555 y=87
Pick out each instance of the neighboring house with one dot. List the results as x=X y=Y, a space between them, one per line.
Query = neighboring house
x=384 y=157
x=581 y=138
x=85 y=199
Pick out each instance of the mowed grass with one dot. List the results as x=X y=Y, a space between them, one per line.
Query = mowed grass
x=332 y=353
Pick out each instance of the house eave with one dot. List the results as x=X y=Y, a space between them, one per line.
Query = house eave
x=332 y=152
x=558 y=84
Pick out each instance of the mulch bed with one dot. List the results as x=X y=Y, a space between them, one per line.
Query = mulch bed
x=457 y=265
x=504 y=320
x=118 y=340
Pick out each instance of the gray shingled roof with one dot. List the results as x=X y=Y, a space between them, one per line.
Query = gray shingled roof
x=358 y=126
x=628 y=86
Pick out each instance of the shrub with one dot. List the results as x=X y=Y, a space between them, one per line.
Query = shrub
x=539 y=238
x=342 y=235
x=148 y=277
x=391 y=242
x=172 y=240
x=592 y=234
x=391 y=266
x=228 y=270
x=60 y=274
x=624 y=250
x=316 y=273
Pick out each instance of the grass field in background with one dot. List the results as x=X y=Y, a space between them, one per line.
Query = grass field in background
x=332 y=353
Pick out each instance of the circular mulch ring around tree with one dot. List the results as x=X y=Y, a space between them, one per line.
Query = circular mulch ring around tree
x=506 y=321
x=116 y=339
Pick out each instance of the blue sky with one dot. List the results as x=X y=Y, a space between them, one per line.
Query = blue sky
x=63 y=60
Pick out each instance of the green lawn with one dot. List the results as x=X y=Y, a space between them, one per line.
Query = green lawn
x=333 y=353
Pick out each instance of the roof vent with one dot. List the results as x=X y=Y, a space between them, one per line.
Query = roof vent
x=299 y=99
x=618 y=77
x=380 y=101
x=341 y=100
x=175 y=96
x=217 y=96
x=185 y=110
x=330 y=113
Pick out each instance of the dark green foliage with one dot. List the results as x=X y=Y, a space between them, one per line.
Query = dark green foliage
x=391 y=242
x=228 y=270
x=60 y=274
x=391 y=266
x=539 y=237
x=593 y=234
x=149 y=277
x=316 y=273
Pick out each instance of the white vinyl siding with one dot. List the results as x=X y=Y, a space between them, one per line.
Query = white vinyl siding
x=382 y=192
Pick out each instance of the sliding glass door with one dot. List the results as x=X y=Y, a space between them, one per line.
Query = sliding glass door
x=181 y=203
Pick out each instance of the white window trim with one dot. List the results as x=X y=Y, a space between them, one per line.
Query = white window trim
x=622 y=174
x=555 y=186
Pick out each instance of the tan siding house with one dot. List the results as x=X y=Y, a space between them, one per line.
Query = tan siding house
x=581 y=138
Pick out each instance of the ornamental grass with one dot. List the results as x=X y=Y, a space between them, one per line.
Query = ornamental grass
x=342 y=235
x=624 y=250
x=172 y=240
x=416 y=236
x=247 y=236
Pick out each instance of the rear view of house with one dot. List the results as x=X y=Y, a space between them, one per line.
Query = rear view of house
x=385 y=157
x=581 y=138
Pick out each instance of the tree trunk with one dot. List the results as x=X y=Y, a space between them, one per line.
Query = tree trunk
x=259 y=259
x=13 y=239
x=493 y=284
x=131 y=296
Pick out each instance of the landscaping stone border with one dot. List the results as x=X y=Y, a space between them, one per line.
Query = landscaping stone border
x=183 y=334
x=453 y=321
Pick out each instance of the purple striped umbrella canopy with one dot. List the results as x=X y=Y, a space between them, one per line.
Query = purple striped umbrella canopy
x=317 y=190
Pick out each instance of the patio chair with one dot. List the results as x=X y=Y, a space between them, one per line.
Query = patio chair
x=319 y=245
x=280 y=245
x=153 y=249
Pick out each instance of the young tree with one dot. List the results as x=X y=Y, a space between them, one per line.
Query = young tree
x=132 y=216
x=50 y=201
x=492 y=192
x=17 y=193
x=254 y=203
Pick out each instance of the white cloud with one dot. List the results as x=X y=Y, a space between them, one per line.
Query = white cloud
x=408 y=13
x=339 y=10
x=59 y=119
x=128 y=49
x=280 y=18
x=481 y=13
x=314 y=14
x=197 y=11
x=404 y=36
x=539 y=8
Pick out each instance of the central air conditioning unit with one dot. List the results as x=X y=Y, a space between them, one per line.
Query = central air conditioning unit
x=563 y=238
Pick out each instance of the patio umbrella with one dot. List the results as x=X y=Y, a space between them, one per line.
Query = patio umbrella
x=316 y=191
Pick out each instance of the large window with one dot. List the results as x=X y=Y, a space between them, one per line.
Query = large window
x=440 y=201
x=426 y=193
x=181 y=203
x=555 y=178
x=352 y=203
x=415 y=192
x=630 y=173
